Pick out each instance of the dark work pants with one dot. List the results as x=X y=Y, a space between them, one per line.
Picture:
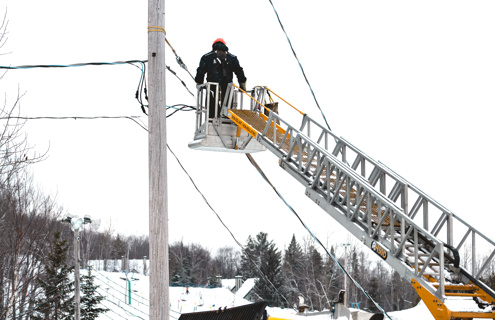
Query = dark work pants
x=211 y=112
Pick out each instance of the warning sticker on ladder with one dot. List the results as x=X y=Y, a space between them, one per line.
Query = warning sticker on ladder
x=242 y=124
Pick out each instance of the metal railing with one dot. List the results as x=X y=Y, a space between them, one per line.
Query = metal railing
x=373 y=202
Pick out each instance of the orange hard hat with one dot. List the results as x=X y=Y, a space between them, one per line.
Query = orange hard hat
x=219 y=40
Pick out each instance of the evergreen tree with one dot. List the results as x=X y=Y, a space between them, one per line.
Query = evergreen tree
x=311 y=280
x=292 y=270
x=316 y=263
x=118 y=248
x=248 y=257
x=181 y=272
x=56 y=299
x=333 y=277
x=373 y=291
x=90 y=299
x=271 y=267
x=293 y=257
x=268 y=270
x=355 y=269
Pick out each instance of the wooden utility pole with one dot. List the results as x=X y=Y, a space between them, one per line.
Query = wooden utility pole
x=158 y=214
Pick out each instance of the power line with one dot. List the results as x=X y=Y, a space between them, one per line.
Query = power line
x=300 y=66
x=183 y=107
x=142 y=80
x=227 y=228
x=177 y=58
x=181 y=81
x=132 y=118
x=139 y=90
x=83 y=64
x=176 y=108
x=119 y=285
x=117 y=304
x=255 y=164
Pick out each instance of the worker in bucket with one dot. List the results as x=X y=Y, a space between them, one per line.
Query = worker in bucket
x=219 y=65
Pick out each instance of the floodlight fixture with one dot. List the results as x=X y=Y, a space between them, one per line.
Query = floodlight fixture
x=95 y=224
x=87 y=219
x=76 y=223
x=68 y=217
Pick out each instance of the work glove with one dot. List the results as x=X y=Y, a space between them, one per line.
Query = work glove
x=242 y=86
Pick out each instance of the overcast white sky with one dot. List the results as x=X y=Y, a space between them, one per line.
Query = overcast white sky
x=409 y=83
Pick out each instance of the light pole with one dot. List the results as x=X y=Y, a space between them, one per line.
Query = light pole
x=75 y=225
x=345 y=245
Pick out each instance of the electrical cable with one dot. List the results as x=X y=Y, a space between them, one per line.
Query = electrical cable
x=300 y=66
x=133 y=118
x=177 y=58
x=221 y=221
x=255 y=164
x=183 y=108
x=181 y=81
x=119 y=285
x=142 y=79
x=227 y=228
x=139 y=90
x=111 y=310
x=117 y=289
x=126 y=311
x=104 y=313
x=117 y=299
x=72 y=65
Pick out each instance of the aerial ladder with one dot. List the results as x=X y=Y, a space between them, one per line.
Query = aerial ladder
x=413 y=233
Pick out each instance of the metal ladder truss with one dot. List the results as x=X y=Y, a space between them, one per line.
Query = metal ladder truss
x=412 y=232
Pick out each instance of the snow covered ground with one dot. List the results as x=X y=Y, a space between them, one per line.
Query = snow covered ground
x=113 y=288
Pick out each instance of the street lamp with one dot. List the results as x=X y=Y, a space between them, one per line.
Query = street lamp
x=345 y=245
x=75 y=225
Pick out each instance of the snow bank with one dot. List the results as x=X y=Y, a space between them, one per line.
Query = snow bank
x=113 y=288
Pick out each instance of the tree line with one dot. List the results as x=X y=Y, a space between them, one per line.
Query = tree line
x=300 y=270
x=303 y=269
x=35 y=265
x=31 y=232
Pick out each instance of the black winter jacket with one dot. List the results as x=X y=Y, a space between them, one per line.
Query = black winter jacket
x=214 y=67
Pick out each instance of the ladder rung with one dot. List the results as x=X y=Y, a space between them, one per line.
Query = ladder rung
x=460 y=294
x=458 y=287
x=425 y=274
x=470 y=315
x=420 y=255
